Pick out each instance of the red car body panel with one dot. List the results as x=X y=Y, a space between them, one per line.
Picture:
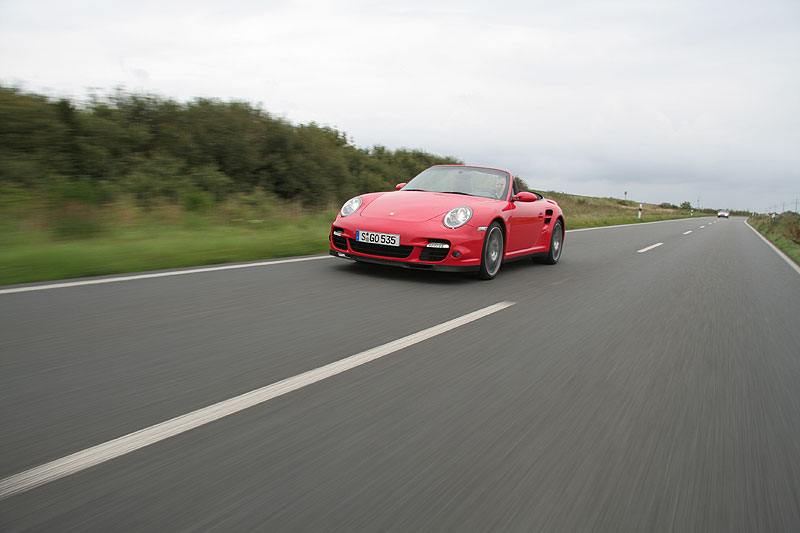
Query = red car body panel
x=417 y=217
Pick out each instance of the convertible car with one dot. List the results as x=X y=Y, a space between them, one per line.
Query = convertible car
x=450 y=217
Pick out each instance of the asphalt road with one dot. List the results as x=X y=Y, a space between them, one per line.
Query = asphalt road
x=623 y=391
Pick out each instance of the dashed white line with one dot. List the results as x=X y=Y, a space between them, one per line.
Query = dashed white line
x=643 y=250
x=158 y=274
x=701 y=227
x=115 y=448
x=687 y=232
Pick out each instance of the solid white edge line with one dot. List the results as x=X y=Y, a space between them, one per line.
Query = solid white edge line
x=643 y=250
x=158 y=275
x=777 y=250
x=101 y=453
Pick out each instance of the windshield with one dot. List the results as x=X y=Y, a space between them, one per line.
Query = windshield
x=472 y=181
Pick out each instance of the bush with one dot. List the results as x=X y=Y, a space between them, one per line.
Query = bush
x=81 y=191
x=242 y=207
x=11 y=195
x=198 y=201
x=158 y=177
x=211 y=180
x=75 y=221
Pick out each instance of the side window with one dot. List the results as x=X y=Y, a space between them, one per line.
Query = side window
x=515 y=188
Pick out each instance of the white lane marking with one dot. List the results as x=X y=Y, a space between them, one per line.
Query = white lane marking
x=687 y=232
x=701 y=227
x=101 y=453
x=643 y=250
x=158 y=274
x=776 y=249
x=634 y=225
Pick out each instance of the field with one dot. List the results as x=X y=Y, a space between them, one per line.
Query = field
x=40 y=241
x=588 y=211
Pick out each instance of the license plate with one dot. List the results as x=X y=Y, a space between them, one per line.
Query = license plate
x=378 y=238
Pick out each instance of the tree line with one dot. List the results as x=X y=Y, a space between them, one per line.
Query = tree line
x=154 y=149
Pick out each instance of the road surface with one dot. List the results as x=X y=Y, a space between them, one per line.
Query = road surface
x=648 y=382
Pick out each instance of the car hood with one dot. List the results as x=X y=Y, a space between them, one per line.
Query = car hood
x=418 y=206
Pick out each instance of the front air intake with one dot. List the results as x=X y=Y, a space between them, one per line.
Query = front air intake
x=436 y=250
x=381 y=250
x=339 y=241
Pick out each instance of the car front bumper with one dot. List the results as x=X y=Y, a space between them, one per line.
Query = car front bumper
x=423 y=245
x=404 y=264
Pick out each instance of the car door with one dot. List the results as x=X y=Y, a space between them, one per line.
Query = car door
x=525 y=223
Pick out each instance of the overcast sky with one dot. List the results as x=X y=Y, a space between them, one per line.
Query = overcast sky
x=669 y=100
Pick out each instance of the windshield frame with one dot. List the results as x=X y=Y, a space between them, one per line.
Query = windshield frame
x=483 y=182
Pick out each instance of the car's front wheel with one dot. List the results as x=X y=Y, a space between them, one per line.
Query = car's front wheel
x=556 y=244
x=492 y=255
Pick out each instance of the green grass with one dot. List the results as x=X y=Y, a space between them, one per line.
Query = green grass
x=43 y=245
x=41 y=242
x=783 y=231
x=588 y=211
x=588 y=222
x=171 y=249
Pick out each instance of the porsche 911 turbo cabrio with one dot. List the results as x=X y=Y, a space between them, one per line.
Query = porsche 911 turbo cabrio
x=450 y=217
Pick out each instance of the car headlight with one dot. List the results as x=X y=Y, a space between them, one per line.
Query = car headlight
x=457 y=217
x=351 y=206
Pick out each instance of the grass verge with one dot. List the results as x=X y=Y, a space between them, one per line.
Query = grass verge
x=40 y=242
x=170 y=249
x=783 y=231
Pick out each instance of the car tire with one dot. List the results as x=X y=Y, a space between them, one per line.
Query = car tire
x=556 y=245
x=492 y=253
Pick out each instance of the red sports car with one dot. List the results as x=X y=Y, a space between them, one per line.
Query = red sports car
x=450 y=217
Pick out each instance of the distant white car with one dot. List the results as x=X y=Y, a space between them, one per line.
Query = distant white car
x=723 y=214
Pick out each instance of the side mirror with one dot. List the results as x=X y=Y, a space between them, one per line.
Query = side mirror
x=400 y=185
x=525 y=196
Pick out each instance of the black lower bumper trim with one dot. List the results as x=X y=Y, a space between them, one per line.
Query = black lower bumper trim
x=403 y=264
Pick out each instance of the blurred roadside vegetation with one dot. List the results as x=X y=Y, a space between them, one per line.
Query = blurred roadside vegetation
x=149 y=151
x=589 y=211
x=131 y=182
x=783 y=231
